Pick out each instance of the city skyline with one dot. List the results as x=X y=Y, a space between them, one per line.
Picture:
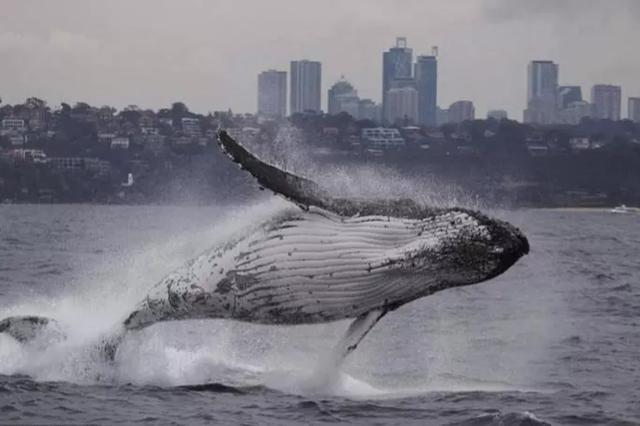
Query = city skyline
x=94 y=53
x=410 y=94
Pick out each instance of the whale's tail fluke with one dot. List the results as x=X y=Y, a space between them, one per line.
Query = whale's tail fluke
x=29 y=327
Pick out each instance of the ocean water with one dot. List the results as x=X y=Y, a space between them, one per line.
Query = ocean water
x=555 y=340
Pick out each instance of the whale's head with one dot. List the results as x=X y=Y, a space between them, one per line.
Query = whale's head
x=461 y=247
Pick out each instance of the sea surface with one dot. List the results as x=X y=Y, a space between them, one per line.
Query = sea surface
x=555 y=340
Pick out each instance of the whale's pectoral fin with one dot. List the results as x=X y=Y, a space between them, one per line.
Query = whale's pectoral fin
x=358 y=329
x=328 y=366
x=302 y=191
x=27 y=328
x=305 y=192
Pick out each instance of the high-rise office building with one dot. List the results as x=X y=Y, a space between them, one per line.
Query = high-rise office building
x=426 y=76
x=461 y=111
x=396 y=64
x=272 y=93
x=568 y=95
x=575 y=112
x=402 y=105
x=634 y=109
x=542 y=92
x=342 y=97
x=607 y=101
x=305 y=86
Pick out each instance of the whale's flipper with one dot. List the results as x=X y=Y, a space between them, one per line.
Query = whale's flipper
x=327 y=369
x=305 y=192
x=348 y=343
x=297 y=189
x=26 y=328
x=358 y=329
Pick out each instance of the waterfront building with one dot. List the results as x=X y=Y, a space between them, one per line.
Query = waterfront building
x=380 y=138
x=306 y=86
x=191 y=126
x=272 y=93
x=402 y=105
x=396 y=64
x=461 y=111
x=67 y=163
x=16 y=124
x=634 y=109
x=426 y=80
x=120 y=143
x=607 y=101
x=16 y=139
x=542 y=92
x=32 y=155
x=106 y=138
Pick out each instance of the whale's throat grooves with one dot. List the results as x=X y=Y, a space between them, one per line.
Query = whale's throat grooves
x=307 y=267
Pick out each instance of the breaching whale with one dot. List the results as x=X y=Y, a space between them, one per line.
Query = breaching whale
x=324 y=259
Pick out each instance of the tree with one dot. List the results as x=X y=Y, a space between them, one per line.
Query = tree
x=130 y=116
x=35 y=103
x=179 y=110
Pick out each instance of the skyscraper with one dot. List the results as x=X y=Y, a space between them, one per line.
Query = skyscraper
x=426 y=75
x=568 y=95
x=272 y=93
x=396 y=64
x=607 y=101
x=461 y=111
x=542 y=92
x=402 y=105
x=342 y=97
x=305 y=86
x=634 y=109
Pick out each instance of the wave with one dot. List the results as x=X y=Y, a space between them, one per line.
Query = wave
x=512 y=419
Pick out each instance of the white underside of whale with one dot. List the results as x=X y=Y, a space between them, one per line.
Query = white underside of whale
x=305 y=267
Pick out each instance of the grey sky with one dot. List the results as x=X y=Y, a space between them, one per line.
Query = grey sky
x=207 y=53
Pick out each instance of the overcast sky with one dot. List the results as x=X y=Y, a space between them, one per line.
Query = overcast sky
x=207 y=53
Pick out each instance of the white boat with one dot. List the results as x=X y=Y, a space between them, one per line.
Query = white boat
x=623 y=209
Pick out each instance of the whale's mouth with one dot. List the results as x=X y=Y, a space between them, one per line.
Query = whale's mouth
x=512 y=244
x=525 y=244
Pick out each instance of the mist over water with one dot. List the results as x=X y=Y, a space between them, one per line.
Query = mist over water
x=350 y=179
x=535 y=343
